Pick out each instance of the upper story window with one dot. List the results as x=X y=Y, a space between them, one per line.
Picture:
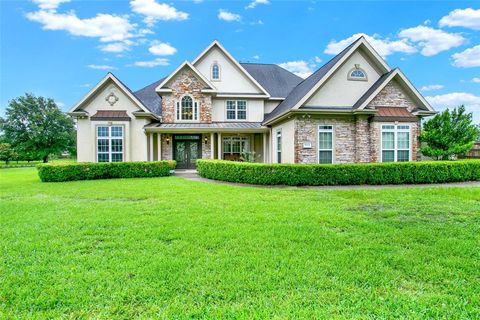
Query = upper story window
x=187 y=109
x=236 y=110
x=357 y=73
x=215 y=72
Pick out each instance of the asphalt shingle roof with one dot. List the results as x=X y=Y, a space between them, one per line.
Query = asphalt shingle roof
x=372 y=89
x=306 y=85
x=277 y=81
x=149 y=97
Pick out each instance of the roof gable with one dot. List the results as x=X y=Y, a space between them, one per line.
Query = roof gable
x=301 y=93
x=109 y=77
x=394 y=75
x=244 y=79
x=162 y=87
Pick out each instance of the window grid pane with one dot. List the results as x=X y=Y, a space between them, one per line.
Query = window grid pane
x=242 y=110
x=110 y=144
x=403 y=155
x=325 y=156
x=388 y=156
x=395 y=143
x=325 y=140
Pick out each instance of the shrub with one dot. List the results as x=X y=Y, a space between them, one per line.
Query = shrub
x=340 y=174
x=105 y=170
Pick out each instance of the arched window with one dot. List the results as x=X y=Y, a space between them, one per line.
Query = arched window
x=215 y=72
x=187 y=109
x=357 y=73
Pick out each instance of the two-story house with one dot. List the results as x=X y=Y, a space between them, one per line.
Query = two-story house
x=355 y=108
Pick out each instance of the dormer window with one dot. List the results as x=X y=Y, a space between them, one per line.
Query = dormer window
x=357 y=74
x=215 y=72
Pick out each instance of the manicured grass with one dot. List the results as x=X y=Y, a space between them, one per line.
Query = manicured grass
x=22 y=164
x=171 y=248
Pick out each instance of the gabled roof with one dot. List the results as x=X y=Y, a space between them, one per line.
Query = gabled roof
x=120 y=85
x=301 y=93
x=276 y=80
x=187 y=64
x=235 y=62
x=382 y=82
x=150 y=97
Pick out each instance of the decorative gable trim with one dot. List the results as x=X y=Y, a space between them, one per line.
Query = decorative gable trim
x=396 y=74
x=360 y=42
x=161 y=87
x=74 y=110
x=232 y=59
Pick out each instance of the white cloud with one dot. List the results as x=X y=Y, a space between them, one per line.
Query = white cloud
x=116 y=47
x=455 y=99
x=161 y=49
x=317 y=59
x=49 y=4
x=258 y=22
x=432 y=41
x=476 y=80
x=432 y=87
x=468 y=58
x=384 y=46
x=101 y=67
x=107 y=27
x=256 y=57
x=254 y=3
x=467 y=18
x=152 y=63
x=60 y=104
x=228 y=16
x=300 y=67
x=154 y=11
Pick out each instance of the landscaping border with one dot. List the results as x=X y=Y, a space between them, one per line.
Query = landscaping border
x=103 y=170
x=340 y=174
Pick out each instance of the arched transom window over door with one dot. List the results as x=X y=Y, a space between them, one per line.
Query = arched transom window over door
x=187 y=109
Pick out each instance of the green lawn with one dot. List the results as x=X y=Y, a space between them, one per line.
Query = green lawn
x=171 y=248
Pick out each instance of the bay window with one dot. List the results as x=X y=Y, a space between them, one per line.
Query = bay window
x=395 y=143
x=110 y=143
x=236 y=110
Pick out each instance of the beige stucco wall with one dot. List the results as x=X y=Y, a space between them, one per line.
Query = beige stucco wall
x=254 y=109
x=232 y=79
x=270 y=105
x=288 y=145
x=338 y=91
x=135 y=140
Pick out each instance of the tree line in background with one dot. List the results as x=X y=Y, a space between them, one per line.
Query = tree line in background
x=34 y=128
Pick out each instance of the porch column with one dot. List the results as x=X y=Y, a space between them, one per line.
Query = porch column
x=151 y=147
x=265 y=149
x=219 y=146
x=159 y=146
x=212 y=149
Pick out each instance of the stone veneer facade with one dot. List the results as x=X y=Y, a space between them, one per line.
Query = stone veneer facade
x=186 y=83
x=356 y=138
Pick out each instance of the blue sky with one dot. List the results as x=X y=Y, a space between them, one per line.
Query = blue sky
x=61 y=48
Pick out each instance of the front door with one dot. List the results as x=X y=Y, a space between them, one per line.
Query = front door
x=187 y=149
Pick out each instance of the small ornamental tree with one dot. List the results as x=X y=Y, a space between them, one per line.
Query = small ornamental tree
x=449 y=134
x=6 y=152
x=36 y=127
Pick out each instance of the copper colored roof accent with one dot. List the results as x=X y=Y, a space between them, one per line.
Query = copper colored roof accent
x=103 y=115
x=394 y=114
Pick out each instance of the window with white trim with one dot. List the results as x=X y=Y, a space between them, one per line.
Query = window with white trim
x=110 y=143
x=357 y=73
x=279 y=146
x=395 y=143
x=187 y=109
x=325 y=144
x=236 y=110
x=234 y=146
x=215 y=72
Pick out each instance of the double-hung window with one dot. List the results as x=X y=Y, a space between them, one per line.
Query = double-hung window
x=187 y=109
x=325 y=144
x=279 y=146
x=236 y=110
x=110 y=143
x=395 y=143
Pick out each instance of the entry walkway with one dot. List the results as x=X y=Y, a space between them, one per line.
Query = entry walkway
x=193 y=176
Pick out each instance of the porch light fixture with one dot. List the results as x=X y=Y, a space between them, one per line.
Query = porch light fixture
x=206 y=140
x=168 y=140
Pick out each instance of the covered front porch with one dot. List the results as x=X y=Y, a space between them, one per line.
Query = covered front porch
x=185 y=143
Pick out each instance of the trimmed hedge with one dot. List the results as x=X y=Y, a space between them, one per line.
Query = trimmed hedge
x=103 y=170
x=340 y=174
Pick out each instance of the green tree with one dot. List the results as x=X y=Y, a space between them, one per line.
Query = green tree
x=6 y=152
x=36 y=127
x=448 y=134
